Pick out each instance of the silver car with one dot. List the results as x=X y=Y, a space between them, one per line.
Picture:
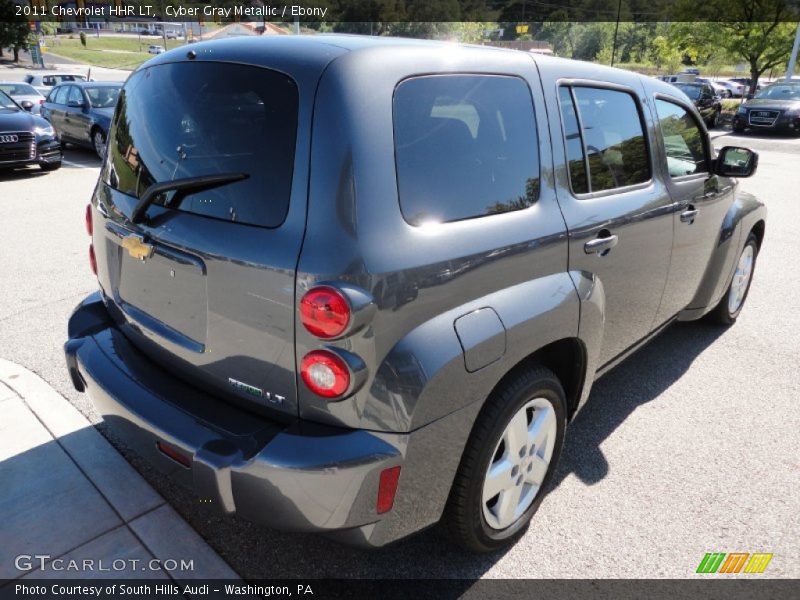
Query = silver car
x=24 y=94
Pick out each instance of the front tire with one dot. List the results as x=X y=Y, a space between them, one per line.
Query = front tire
x=730 y=307
x=50 y=166
x=508 y=462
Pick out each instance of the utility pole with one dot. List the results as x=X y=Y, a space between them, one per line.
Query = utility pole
x=616 y=31
x=793 y=58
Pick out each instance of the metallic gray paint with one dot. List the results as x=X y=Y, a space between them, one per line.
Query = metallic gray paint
x=441 y=314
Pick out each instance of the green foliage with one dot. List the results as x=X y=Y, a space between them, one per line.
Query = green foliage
x=14 y=30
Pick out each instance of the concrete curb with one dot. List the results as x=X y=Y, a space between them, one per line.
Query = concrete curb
x=99 y=508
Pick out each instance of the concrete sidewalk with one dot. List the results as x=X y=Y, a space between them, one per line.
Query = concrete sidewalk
x=67 y=494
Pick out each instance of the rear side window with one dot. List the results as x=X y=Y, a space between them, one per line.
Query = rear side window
x=184 y=120
x=613 y=143
x=465 y=147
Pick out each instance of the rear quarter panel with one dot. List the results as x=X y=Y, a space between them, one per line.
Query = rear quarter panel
x=422 y=278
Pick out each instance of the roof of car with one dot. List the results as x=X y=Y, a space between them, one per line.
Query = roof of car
x=85 y=84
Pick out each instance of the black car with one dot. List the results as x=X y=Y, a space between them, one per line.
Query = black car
x=776 y=107
x=82 y=111
x=705 y=99
x=26 y=139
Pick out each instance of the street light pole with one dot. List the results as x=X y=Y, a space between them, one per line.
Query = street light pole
x=793 y=58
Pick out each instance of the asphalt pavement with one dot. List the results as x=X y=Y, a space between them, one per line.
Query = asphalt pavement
x=690 y=446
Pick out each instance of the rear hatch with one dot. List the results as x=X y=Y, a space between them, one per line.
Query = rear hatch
x=202 y=278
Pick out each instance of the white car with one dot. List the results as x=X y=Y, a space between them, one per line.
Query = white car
x=156 y=50
x=719 y=89
x=24 y=94
x=736 y=89
x=44 y=82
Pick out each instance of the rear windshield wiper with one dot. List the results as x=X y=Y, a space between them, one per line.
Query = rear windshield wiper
x=181 y=187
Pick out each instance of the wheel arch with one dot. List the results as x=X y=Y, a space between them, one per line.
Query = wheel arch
x=566 y=358
x=758 y=229
x=747 y=214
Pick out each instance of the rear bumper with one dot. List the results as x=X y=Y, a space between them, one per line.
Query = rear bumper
x=296 y=477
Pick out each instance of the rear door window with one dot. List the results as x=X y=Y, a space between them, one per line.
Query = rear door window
x=182 y=120
x=613 y=144
x=465 y=147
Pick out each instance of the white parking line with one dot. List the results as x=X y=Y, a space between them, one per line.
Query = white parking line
x=80 y=166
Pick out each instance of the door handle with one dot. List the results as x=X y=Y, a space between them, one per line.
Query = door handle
x=688 y=215
x=601 y=245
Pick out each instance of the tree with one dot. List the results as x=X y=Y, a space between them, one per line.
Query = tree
x=756 y=32
x=14 y=30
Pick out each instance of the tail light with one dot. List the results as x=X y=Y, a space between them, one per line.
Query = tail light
x=88 y=220
x=387 y=488
x=325 y=373
x=178 y=457
x=325 y=312
x=92 y=259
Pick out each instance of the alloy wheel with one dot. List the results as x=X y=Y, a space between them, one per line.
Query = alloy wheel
x=519 y=463
x=741 y=280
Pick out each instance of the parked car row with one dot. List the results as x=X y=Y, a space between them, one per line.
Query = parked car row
x=735 y=87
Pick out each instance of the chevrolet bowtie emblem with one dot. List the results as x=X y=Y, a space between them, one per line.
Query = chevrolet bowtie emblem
x=136 y=247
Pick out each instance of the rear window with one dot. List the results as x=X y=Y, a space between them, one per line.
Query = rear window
x=182 y=120
x=18 y=89
x=465 y=147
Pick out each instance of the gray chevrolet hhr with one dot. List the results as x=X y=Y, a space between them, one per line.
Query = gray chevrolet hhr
x=356 y=286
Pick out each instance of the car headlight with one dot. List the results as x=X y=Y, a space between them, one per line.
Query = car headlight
x=741 y=111
x=43 y=130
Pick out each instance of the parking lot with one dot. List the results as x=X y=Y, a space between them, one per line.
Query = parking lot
x=691 y=446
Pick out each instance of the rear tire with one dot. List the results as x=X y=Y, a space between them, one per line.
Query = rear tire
x=714 y=121
x=514 y=447
x=731 y=304
x=99 y=142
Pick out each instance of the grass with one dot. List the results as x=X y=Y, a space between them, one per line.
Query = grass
x=107 y=51
x=731 y=105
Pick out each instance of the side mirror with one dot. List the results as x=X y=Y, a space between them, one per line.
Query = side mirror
x=27 y=105
x=733 y=161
